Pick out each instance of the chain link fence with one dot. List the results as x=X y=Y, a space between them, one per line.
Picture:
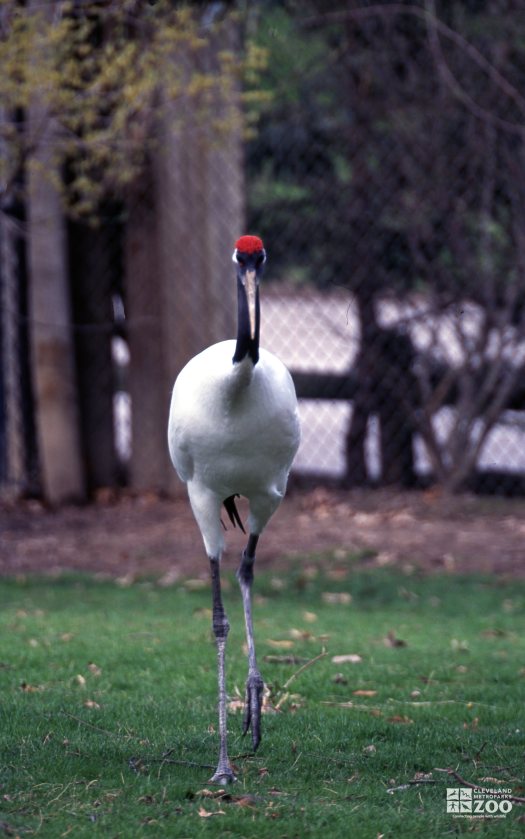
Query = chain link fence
x=385 y=173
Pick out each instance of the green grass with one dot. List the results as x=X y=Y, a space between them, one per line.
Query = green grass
x=108 y=695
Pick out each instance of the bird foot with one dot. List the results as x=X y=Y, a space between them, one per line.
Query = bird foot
x=253 y=708
x=223 y=776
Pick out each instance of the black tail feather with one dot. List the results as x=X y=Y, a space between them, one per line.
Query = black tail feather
x=233 y=513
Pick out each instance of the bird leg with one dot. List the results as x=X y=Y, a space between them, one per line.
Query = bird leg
x=254 y=682
x=224 y=773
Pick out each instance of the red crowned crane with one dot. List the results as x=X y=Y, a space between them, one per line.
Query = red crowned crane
x=234 y=430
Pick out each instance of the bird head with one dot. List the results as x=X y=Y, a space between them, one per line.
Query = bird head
x=249 y=256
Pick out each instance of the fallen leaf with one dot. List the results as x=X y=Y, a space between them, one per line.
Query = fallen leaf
x=301 y=635
x=80 y=680
x=197 y=584
x=209 y=793
x=284 y=659
x=336 y=597
x=244 y=801
x=422 y=776
x=205 y=814
x=490 y=780
x=351 y=658
x=364 y=692
x=309 y=617
x=392 y=641
x=203 y=612
x=90 y=703
x=398 y=718
x=285 y=644
x=337 y=573
x=236 y=705
x=370 y=750
x=459 y=646
x=94 y=669
x=27 y=688
x=126 y=581
x=168 y=579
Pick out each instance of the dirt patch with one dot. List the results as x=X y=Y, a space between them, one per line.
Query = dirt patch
x=135 y=536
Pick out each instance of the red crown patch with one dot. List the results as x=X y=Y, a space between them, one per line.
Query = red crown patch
x=249 y=244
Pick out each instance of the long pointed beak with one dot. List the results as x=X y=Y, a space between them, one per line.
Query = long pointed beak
x=250 y=285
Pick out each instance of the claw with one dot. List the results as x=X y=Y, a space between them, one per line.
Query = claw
x=253 y=708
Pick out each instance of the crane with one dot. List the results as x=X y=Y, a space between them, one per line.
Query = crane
x=234 y=431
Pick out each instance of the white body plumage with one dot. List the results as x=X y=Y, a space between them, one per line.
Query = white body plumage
x=233 y=429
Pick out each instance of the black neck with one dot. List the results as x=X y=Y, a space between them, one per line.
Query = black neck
x=246 y=345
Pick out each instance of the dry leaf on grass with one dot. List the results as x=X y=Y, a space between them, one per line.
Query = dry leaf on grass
x=392 y=641
x=197 y=584
x=491 y=780
x=350 y=658
x=209 y=793
x=336 y=597
x=284 y=659
x=401 y=719
x=337 y=573
x=235 y=705
x=302 y=635
x=364 y=692
x=27 y=688
x=205 y=814
x=285 y=644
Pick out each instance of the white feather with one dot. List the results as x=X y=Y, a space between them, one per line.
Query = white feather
x=233 y=428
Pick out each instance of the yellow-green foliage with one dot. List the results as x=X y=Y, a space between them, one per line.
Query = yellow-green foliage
x=102 y=76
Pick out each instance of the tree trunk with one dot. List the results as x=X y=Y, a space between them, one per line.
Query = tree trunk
x=362 y=405
x=12 y=471
x=396 y=397
x=92 y=264
x=386 y=388
x=180 y=282
x=57 y=413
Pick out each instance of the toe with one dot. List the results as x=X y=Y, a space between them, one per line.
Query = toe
x=223 y=777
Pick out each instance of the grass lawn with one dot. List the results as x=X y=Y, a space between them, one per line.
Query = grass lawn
x=108 y=697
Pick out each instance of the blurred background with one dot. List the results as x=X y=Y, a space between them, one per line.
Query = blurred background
x=378 y=148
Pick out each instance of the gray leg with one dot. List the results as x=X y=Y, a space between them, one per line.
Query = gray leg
x=221 y=627
x=254 y=682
